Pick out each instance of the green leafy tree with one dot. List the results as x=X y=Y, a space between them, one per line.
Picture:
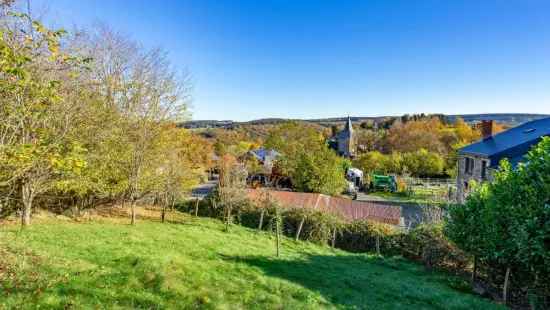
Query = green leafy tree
x=36 y=149
x=320 y=172
x=306 y=158
x=423 y=163
x=507 y=222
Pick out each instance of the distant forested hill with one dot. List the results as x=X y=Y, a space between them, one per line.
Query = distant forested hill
x=509 y=119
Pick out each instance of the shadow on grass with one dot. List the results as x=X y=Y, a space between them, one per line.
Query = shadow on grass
x=366 y=282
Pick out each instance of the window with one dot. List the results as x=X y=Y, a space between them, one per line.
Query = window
x=469 y=165
x=483 y=169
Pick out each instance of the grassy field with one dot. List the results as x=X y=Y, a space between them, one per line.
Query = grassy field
x=418 y=196
x=192 y=263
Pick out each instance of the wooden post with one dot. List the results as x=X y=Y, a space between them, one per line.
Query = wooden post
x=261 y=219
x=300 y=228
x=333 y=237
x=278 y=232
x=197 y=207
x=474 y=271
x=228 y=220
x=505 y=288
x=378 y=244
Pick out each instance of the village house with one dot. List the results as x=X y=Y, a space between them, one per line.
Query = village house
x=266 y=158
x=478 y=161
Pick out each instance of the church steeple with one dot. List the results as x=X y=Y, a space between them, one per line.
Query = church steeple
x=346 y=140
x=349 y=127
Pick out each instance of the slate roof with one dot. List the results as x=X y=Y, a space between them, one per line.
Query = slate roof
x=347 y=132
x=512 y=144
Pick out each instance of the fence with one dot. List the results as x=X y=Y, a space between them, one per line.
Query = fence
x=430 y=189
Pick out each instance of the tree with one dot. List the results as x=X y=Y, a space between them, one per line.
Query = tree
x=306 y=158
x=320 y=172
x=372 y=162
x=174 y=172
x=232 y=187
x=35 y=145
x=292 y=140
x=414 y=135
x=510 y=218
x=147 y=93
x=423 y=163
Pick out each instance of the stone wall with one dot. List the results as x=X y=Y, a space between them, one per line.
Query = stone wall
x=463 y=179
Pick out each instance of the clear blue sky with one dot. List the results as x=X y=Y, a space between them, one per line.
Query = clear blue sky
x=310 y=59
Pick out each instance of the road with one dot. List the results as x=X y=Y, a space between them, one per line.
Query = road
x=412 y=213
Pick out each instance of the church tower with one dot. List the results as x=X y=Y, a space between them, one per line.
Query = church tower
x=346 y=140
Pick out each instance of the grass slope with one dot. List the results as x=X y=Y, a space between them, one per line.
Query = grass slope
x=194 y=264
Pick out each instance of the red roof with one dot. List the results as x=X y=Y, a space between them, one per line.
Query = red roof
x=349 y=210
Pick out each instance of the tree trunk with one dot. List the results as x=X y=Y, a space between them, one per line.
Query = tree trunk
x=163 y=213
x=261 y=219
x=300 y=228
x=133 y=211
x=197 y=207
x=505 y=288
x=27 y=197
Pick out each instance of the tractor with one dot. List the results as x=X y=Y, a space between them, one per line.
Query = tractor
x=385 y=183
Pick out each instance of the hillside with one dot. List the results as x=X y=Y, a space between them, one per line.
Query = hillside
x=192 y=263
x=508 y=119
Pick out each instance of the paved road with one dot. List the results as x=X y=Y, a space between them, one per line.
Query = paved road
x=361 y=196
x=412 y=213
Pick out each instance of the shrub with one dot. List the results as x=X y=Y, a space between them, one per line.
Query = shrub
x=361 y=236
x=428 y=244
x=317 y=227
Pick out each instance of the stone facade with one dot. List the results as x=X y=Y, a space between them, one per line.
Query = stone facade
x=471 y=168
x=346 y=140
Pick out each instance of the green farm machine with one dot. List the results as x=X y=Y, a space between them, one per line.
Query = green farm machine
x=382 y=183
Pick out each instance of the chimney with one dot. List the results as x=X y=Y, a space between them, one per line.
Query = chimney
x=487 y=128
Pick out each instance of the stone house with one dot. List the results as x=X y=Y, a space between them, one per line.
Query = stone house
x=266 y=158
x=479 y=160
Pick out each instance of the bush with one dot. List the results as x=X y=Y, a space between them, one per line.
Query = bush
x=361 y=236
x=428 y=244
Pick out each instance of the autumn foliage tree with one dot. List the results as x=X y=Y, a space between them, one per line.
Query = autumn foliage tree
x=90 y=117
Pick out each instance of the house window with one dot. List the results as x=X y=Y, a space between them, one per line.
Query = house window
x=483 y=169
x=469 y=165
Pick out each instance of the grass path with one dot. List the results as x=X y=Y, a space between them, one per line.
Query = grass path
x=194 y=264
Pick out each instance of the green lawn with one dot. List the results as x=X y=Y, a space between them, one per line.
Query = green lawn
x=194 y=264
x=418 y=196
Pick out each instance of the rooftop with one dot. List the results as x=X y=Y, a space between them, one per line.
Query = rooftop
x=512 y=143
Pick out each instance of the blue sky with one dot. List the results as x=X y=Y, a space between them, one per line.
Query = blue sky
x=312 y=59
